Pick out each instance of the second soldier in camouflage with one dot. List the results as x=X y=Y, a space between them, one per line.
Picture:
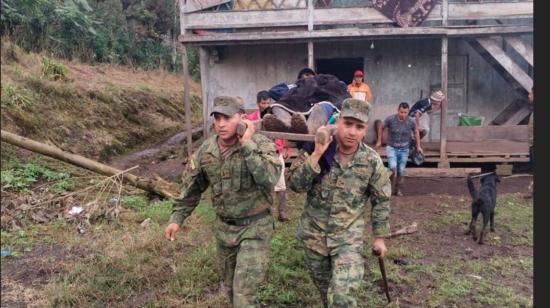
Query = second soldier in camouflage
x=339 y=177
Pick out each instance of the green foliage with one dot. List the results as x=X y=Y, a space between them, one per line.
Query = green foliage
x=158 y=212
x=22 y=176
x=54 y=70
x=14 y=96
x=134 y=202
x=140 y=33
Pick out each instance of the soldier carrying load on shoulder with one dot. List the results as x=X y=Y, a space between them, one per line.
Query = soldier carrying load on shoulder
x=242 y=172
x=339 y=177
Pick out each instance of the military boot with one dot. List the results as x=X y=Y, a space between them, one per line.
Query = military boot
x=298 y=124
x=399 y=184
x=316 y=119
x=279 y=121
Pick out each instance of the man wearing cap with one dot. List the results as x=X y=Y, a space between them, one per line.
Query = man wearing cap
x=242 y=172
x=427 y=105
x=358 y=89
x=331 y=228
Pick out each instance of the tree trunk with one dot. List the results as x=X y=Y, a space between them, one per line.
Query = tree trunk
x=157 y=185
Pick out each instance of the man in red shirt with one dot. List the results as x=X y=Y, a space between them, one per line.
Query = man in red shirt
x=264 y=100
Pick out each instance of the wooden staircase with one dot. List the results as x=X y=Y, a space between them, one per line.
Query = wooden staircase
x=491 y=49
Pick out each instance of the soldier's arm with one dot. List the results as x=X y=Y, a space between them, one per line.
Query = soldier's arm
x=380 y=193
x=193 y=185
x=302 y=172
x=260 y=156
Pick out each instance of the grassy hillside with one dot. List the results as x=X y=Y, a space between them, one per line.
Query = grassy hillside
x=95 y=111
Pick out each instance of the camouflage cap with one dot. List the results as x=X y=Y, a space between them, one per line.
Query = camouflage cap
x=228 y=105
x=355 y=108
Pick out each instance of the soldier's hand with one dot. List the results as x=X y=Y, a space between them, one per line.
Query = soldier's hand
x=250 y=130
x=323 y=138
x=170 y=231
x=379 y=248
x=378 y=145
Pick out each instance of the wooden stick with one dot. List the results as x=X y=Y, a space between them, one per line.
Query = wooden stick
x=406 y=230
x=480 y=175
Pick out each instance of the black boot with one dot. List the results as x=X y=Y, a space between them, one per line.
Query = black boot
x=298 y=124
x=273 y=124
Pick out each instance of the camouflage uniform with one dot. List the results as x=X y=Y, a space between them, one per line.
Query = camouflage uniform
x=332 y=225
x=241 y=187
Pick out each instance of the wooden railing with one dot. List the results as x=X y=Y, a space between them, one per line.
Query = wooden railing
x=298 y=16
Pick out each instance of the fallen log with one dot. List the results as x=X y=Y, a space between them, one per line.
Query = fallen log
x=157 y=186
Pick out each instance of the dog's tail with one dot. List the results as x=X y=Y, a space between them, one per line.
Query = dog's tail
x=471 y=188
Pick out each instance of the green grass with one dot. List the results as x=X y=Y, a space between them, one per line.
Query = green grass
x=15 y=96
x=21 y=241
x=22 y=176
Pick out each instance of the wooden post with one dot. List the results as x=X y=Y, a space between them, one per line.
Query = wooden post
x=443 y=162
x=310 y=55
x=444 y=12
x=206 y=106
x=186 y=90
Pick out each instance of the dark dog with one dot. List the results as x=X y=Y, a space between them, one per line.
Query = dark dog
x=483 y=201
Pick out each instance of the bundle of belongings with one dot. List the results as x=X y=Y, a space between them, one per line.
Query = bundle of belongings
x=305 y=106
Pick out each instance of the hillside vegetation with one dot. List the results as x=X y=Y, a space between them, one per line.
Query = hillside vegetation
x=96 y=111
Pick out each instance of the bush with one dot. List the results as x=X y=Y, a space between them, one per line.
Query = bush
x=13 y=96
x=53 y=70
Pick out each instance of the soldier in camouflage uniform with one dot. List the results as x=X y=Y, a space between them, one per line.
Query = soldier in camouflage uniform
x=331 y=228
x=242 y=173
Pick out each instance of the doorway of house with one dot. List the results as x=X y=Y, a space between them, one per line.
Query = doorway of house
x=342 y=68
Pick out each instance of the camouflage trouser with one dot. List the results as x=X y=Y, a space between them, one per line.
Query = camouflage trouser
x=337 y=277
x=244 y=265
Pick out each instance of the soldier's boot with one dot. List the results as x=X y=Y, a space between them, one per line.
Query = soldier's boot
x=298 y=124
x=316 y=119
x=281 y=196
x=279 y=121
x=398 y=185
x=393 y=180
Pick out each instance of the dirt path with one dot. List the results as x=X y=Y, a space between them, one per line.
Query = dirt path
x=163 y=158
